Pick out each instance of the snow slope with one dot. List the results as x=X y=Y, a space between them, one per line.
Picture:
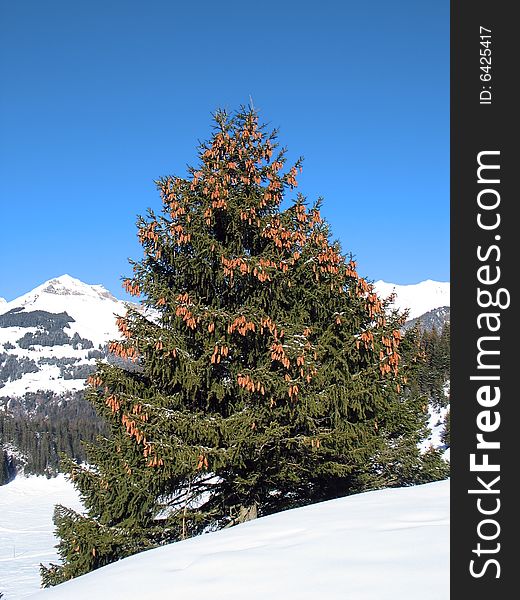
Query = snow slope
x=383 y=545
x=419 y=298
x=27 y=532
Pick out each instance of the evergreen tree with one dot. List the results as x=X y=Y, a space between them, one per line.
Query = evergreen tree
x=406 y=425
x=42 y=426
x=7 y=468
x=434 y=372
x=264 y=373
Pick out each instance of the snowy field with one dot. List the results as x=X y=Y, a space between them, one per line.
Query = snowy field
x=26 y=530
x=382 y=545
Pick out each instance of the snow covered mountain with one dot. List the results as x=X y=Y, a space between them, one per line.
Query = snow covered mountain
x=418 y=298
x=363 y=547
x=91 y=306
x=435 y=318
x=51 y=336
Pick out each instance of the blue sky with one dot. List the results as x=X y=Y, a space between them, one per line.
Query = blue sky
x=99 y=99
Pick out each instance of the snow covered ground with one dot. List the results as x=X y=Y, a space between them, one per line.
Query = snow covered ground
x=27 y=532
x=382 y=545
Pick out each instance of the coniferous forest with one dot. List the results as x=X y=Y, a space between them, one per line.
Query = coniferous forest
x=265 y=374
x=36 y=434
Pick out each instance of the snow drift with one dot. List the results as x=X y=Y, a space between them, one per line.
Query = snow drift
x=382 y=545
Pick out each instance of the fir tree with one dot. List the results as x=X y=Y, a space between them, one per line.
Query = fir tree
x=7 y=467
x=264 y=373
x=435 y=370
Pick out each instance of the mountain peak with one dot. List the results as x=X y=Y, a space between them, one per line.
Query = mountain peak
x=63 y=285
x=91 y=306
x=67 y=286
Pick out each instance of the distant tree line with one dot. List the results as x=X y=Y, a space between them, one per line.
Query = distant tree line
x=14 y=367
x=40 y=428
x=7 y=468
x=50 y=328
x=53 y=338
x=17 y=317
x=81 y=371
x=431 y=378
x=36 y=429
x=434 y=371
